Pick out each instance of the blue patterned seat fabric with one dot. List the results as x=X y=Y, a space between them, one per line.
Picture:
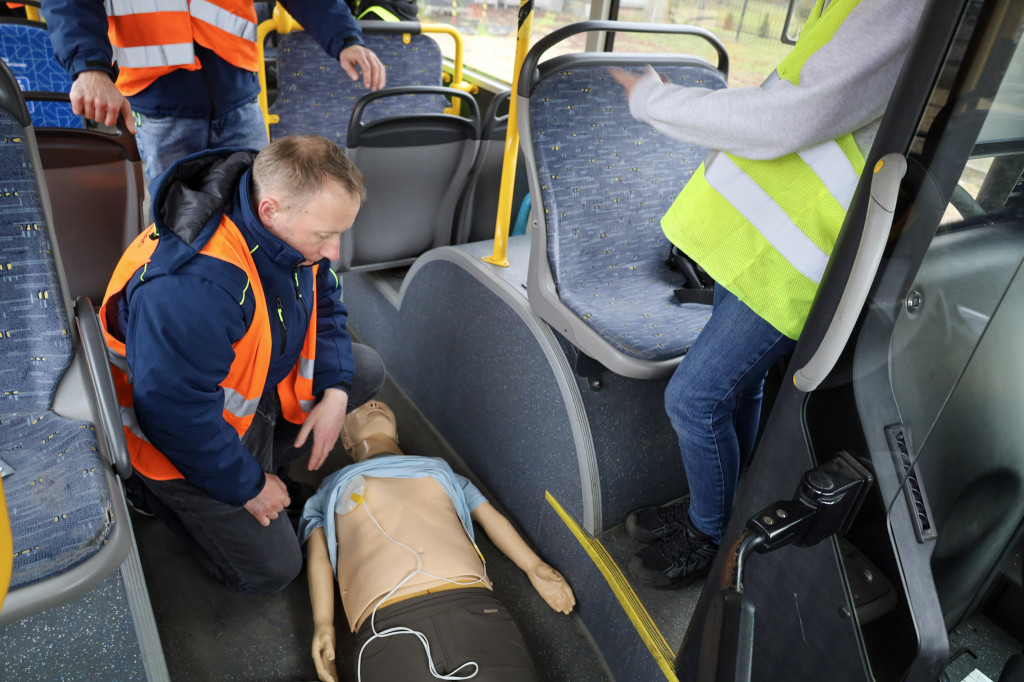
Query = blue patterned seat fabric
x=58 y=499
x=317 y=96
x=27 y=50
x=606 y=181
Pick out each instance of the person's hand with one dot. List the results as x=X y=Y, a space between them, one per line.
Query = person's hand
x=95 y=96
x=628 y=79
x=325 y=420
x=323 y=652
x=550 y=585
x=271 y=501
x=374 y=77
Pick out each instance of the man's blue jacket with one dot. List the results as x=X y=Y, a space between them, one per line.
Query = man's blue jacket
x=180 y=315
x=78 y=31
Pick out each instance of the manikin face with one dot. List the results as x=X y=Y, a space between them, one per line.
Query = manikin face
x=312 y=226
x=373 y=420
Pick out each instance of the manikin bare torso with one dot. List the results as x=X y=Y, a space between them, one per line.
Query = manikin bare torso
x=416 y=511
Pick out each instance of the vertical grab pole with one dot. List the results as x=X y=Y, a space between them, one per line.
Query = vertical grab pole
x=508 y=168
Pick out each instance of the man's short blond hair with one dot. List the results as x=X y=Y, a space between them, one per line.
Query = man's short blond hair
x=297 y=166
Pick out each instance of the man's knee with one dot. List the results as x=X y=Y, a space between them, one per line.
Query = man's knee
x=272 y=575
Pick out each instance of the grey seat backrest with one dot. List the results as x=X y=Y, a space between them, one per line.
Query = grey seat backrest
x=477 y=210
x=96 y=194
x=415 y=166
x=316 y=96
x=600 y=183
x=68 y=523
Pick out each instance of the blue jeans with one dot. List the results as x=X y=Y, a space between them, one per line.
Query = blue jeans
x=162 y=140
x=714 y=403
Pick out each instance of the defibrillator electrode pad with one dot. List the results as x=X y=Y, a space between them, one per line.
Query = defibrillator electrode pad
x=353 y=491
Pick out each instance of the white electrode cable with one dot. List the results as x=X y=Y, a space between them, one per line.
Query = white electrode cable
x=401 y=629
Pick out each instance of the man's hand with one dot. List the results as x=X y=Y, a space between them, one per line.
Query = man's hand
x=550 y=585
x=271 y=501
x=323 y=652
x=95 y=96
x=374 y=77
x=325 y=420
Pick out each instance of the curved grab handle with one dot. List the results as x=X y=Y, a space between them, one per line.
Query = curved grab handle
x=355 y=123
x=99 y=371
x=557 y=36
x=885 y=185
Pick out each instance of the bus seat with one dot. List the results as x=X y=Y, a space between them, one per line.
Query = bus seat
x=68 y=522
x=25 y=47
x=416 y=166
x=96 y=190
x=477 y=211
x=316 y=96
x=600 y=183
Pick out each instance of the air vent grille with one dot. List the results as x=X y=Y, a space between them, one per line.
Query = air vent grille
x=900 y=445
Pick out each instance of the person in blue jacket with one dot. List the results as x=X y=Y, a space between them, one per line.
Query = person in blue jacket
x=189 y=69
x=190 y=344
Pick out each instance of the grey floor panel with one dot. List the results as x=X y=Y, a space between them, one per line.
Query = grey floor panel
x=90 y=638
x=979 y=645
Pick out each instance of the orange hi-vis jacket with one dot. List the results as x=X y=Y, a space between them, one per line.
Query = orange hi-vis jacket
x=245 y=382
x=153 y=37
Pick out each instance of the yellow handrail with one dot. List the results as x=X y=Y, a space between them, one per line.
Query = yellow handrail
x=508 y=168
x=283 y=23
x=6 y=547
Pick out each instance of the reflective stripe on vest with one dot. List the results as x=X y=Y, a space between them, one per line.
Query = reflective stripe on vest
x=244 y=385
x=223 y=19
x=765 y=229
x=384 y=14
x=153 y=37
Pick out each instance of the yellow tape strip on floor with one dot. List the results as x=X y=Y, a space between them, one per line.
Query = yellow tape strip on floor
x=6 y=547
x=622 y=590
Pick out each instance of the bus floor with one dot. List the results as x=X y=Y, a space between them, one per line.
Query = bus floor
x=210 y=632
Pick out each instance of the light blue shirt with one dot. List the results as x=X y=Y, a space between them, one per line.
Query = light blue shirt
x=319 y=509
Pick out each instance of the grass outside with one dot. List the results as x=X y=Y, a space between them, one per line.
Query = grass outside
x=489 y=37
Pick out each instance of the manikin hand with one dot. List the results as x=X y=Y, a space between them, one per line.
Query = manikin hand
x=323 y=652
x=271 y=501
x=95 y=96
x=373 y=71
x=550 y=585
x=325 y=420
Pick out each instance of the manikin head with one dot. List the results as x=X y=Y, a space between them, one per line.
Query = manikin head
x=307 y=193
x=370 y=430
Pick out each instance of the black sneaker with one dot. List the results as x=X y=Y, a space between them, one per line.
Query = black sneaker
x=651 y=524
x=676 y=561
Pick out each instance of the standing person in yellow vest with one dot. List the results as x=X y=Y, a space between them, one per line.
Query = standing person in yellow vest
x=226 y=336
x=761 y=216
x=188 y=67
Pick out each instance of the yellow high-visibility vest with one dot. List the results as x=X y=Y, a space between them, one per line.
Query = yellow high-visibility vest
x=765 y=229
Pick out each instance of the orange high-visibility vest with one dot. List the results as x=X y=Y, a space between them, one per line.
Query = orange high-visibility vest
x=243 y=386
x=153 y=37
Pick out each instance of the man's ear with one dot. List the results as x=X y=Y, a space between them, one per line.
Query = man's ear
x=267 y=210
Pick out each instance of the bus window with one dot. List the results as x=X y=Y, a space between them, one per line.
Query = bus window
x=489 y=28
x=750 y=29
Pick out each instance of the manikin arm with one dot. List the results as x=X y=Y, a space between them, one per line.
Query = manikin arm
x=321 y=597
x=548 y=582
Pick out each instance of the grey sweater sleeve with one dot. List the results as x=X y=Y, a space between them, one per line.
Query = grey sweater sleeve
x=844 y=87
